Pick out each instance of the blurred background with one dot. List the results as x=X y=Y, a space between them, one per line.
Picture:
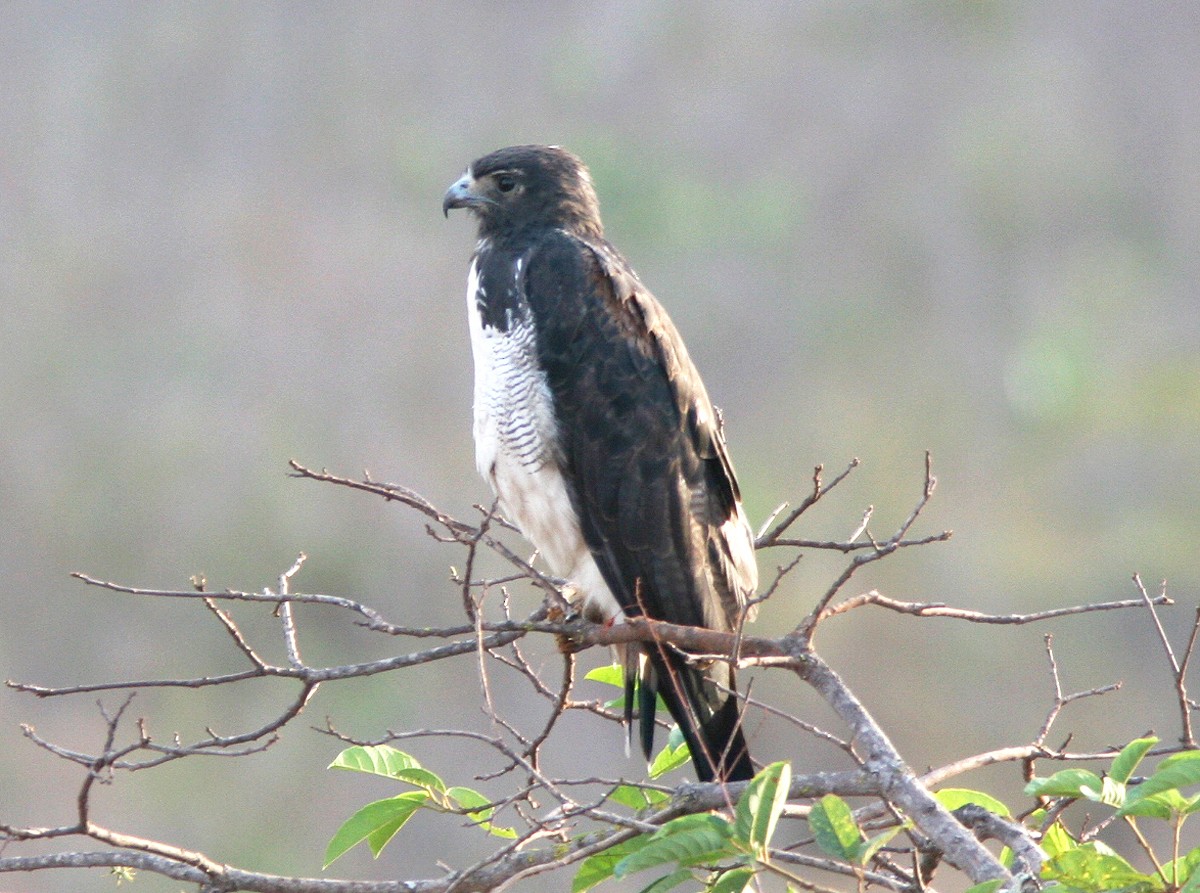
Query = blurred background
x=968 y=227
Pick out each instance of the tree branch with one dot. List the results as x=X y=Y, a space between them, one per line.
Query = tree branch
x=546 y=839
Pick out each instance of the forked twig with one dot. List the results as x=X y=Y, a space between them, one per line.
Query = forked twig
x=1062 y=700
x=819 y=489
x=1178 y=669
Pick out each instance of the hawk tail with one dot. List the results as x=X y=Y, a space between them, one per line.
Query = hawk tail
x=708 y=717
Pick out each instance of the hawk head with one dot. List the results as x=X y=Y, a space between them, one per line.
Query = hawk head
x=528 y=187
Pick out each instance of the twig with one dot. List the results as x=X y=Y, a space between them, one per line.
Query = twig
x=846 y=547
x=1061 y=700
x=472 y=544
x=807 y=627
x=234 y=633
x=862 y=525
x=940 y=609
x=814 y=730
x=458 y=531
x=286 y=615
x=1186 y=704
x=819 y=490
x=832 y=866
x=1162 y=633
x=1178 y=670
x=781 y=571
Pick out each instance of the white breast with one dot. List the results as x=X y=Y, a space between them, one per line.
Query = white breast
x=515 y=443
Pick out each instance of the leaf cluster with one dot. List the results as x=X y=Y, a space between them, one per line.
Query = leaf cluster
x=378 y=822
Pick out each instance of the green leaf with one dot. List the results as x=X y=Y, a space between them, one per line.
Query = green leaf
x=479 y=810
x=669 y=881
x=599 y=866
x=1185 y=756
x=1067 y=783
x=422 y=778
x=1088 y=869
x=953 y=798
x=375 y=759
x=388 y=762
x=1158 y=806
x=1129 y=757
x=866 y=850
x=985 y=887
x=669 y=758
x=675 y=735
x=376 y=823
x=733 y=881
x=834 y=827
x=636 y=797
x=470 y=799
x=1189 y=873
x=759 y=807
x=1176 y=771
x=1057 y=839
x=612 y=674
x=1183 y=872
x=688 y=840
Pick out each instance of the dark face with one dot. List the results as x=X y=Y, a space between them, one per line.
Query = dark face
x=527 y=187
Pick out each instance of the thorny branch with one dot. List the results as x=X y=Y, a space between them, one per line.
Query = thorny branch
x=550 y=836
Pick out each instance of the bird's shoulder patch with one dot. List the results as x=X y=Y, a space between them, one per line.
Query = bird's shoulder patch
x=635 y=311
x=648 y=325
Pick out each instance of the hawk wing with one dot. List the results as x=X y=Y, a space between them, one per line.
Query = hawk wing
x=646 y=469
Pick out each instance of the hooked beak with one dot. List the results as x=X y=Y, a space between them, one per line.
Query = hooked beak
x=462 y=195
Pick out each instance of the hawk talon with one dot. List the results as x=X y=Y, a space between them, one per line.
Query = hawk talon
x=569 y=644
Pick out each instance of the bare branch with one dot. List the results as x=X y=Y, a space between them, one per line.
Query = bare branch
x=781 y=571
x=897 y=783
x=235 y=633
x=989 y=826
x=1178 y=670
x=548 y=836
x=807 y=627
x=119 y=859
x=286 y=616
x=940 y=609
x=862 y=525
x=456 y=530
x=818 y=491
x=846 y=546
x=373 y=618
x=1186 y=704
x=831 y=866
x=810 y=728
x=1061 y=700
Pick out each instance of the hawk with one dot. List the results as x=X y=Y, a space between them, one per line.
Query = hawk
x=596 y=434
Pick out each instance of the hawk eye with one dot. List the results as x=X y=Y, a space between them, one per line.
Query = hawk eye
x=506 y=182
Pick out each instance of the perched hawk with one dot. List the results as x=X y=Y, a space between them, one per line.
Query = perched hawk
x=594 y=430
